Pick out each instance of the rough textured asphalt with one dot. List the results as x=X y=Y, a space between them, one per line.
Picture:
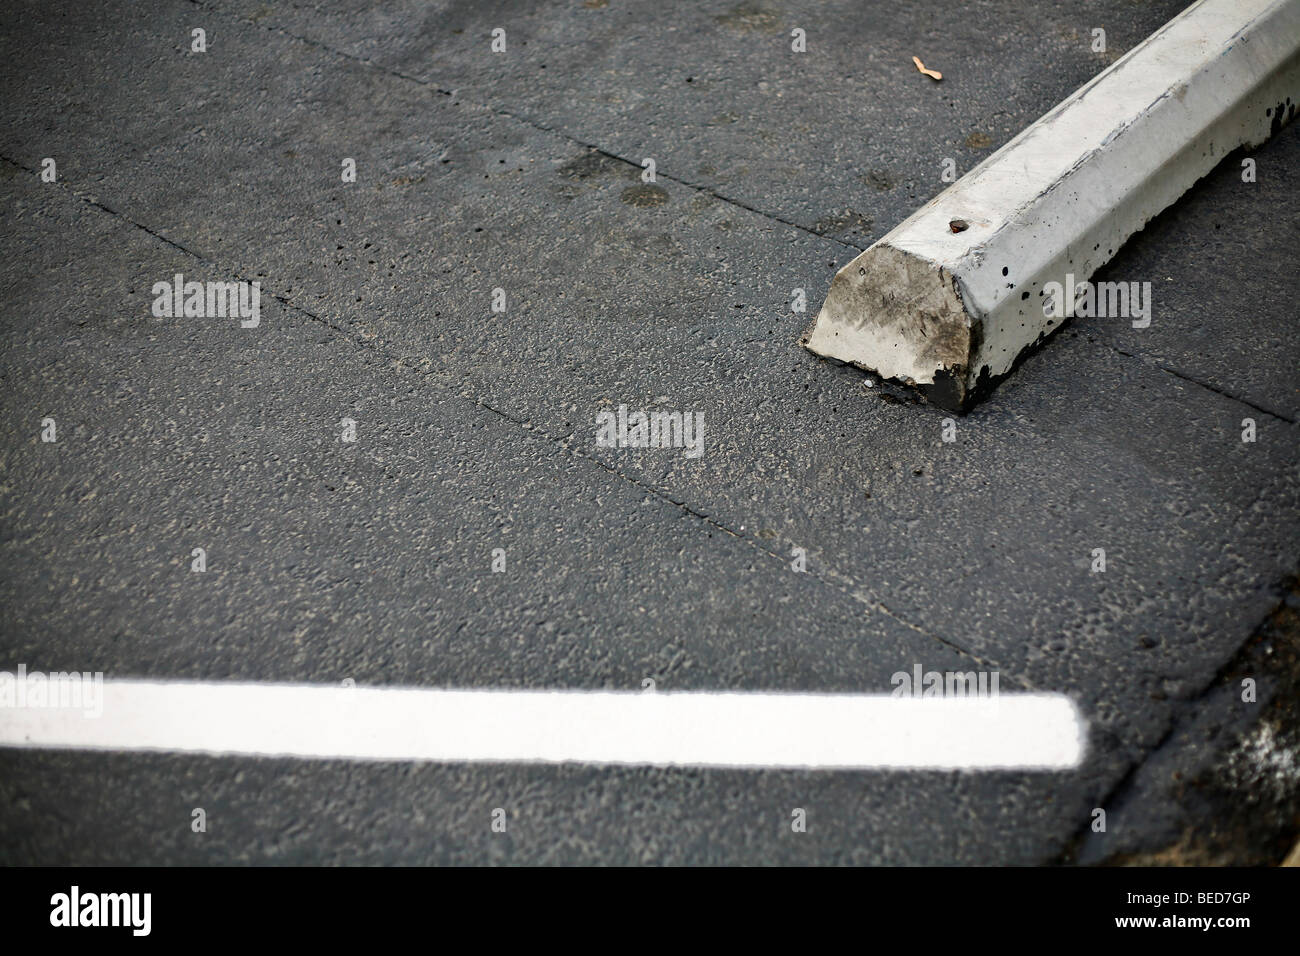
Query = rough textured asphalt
x=521 y=170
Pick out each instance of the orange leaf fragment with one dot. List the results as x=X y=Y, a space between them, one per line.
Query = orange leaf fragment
x=932 y=74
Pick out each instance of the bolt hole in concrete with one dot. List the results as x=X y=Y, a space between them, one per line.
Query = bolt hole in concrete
x=958 y=225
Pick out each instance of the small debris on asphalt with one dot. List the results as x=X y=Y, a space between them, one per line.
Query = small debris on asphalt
x=932 y=74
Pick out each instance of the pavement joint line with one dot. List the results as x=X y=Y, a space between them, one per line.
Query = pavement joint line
x=1185 y=716
x=1134 y=765
x=1243 y=566
x=1195 y=381
x=985 y=730
x=520 y=118
x=705 y=190
x=687 y=184
x=940 y=301
x=851 y=590
x=846 y=586
x=697 y=187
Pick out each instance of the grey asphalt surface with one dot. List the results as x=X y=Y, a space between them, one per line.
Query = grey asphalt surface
x=521 y=170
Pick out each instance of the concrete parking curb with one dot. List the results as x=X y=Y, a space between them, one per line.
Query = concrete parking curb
x=950 y=298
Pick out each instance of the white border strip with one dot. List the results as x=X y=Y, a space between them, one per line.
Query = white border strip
x=823 y=731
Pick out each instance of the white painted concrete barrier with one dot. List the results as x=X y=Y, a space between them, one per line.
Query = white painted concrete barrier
x=950 y=298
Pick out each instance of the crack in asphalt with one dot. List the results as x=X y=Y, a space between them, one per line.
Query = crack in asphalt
x=1186 y=715
x=857 y=593
x=1195 y=381
x=527 y=121
x=686 y=183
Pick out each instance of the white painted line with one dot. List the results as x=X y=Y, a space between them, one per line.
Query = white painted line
x=952 y=296
x=831 y=731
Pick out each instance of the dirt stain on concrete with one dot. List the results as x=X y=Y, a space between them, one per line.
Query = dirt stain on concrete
x=844 y=221
x=751 y=18
x=592 y=164
x=879 y=180
x=645 y=196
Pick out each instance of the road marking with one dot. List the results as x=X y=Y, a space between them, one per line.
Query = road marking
x=731 y=729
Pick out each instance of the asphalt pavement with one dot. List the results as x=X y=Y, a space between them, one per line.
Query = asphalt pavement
x=522 y=171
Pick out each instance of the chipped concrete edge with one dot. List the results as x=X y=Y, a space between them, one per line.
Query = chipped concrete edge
x=954 y=295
